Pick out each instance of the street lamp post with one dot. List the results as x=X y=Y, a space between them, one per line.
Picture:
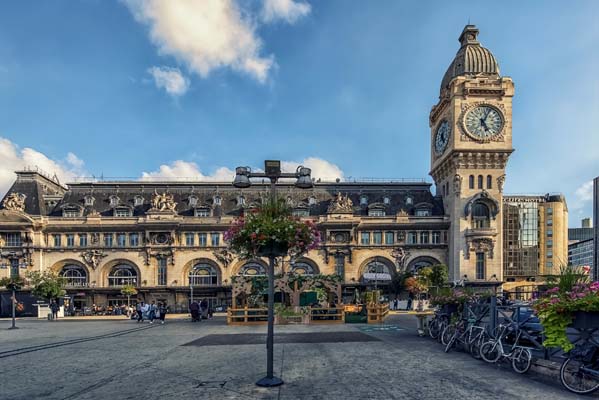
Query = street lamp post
x=13 y=287
x=272 y=171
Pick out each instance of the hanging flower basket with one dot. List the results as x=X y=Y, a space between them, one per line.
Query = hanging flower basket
x=272 y=231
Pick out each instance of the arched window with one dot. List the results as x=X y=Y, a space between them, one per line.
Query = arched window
x=489 y=182
x=74 y=275
x=252 y=269
x=302 y=268
x=471 y=182
x=480 y=216
x=203 y=274
x=378 y=271
x=480 y=182
x=121 y=275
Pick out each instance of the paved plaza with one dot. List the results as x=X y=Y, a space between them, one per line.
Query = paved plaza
x=182 y=360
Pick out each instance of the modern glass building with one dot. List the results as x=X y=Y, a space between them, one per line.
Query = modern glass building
x=580 y=254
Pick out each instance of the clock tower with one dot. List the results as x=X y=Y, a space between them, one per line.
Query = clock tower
x=471 y=141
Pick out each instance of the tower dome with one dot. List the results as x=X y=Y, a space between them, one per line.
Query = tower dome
x=471 y=59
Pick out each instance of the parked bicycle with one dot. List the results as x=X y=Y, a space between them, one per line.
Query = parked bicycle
x=493 y=350
x=579 y=372
x=466 y=332
x=438 y=324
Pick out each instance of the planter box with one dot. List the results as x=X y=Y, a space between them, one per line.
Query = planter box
x=585 y=320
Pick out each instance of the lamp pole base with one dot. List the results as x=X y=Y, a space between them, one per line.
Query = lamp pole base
x=14 y=327
x=270 y=382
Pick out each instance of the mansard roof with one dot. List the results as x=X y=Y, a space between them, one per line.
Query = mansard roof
x=205 y=192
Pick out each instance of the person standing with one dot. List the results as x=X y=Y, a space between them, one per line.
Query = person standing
x=162 y=309
x=139 y=309
x=54 y=308
x=204 y=308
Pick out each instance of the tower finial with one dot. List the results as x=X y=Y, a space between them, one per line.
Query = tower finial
x=469 y=35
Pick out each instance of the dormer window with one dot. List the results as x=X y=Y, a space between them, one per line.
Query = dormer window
x=423 y=212
x=363 y=200
x=138 y=201
x=114 y=201
x=193 y=201
x=386 y=200
x=201 y=212
x=122 y=212
x=217 y=200
x=71 y=212
x=376 y=212
x=240 y=200
x=89 y=201
x=409 y=200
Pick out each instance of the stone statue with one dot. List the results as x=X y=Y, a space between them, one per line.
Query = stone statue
x=341 y=204
x=457 y=184
x=500 y=182
x=163 y=202
x=223 y=256
x=93 y=257
x=400 y=256
x=14 y=202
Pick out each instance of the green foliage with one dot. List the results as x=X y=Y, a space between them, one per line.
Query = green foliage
x=272 y=223
x=46 y=284
x=128 y=290
x=438 y=277
x=568 y=277
x=7 y=282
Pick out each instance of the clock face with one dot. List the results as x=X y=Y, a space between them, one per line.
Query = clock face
x=442 y=136
x=484 y=122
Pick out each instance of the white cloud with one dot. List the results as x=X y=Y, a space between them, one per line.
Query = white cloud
x=288 y=10
x=180 y=169
x=205 y=35
x=12 y=158
x=170 y=79
x=583 y=195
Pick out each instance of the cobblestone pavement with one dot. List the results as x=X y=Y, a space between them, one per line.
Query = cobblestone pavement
x=124 y=360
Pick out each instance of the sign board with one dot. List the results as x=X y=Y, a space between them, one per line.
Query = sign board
x=371 y=276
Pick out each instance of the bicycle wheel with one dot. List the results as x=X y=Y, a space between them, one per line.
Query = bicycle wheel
x=434 y=328
x=521 y=360
x=576 y=379
x=442 y=325
x=447 y=334
x=476 y=344
x=490 y=351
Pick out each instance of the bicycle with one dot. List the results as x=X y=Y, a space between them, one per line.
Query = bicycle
x=579 y=373
x=493 y=350
x=467 y=336
x=437 y=325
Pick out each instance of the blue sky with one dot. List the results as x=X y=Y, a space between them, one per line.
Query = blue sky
x=123 y=88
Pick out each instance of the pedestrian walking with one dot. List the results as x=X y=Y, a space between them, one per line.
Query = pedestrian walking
x=152 y=309
x=162 y=309
x=54 y=308
x=139 y=309
x=194 y=308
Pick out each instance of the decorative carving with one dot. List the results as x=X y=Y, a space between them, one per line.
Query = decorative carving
x=169 y=255
x=341 y=204
x=161 y=238
x=457 y=184
x=93 y=257
x=401 y=236
x=2 y=242
x=95 y=239
x=163 y=202
x=223 y=256
x=400 y=255
x=500 y=182
x=480 y=245
x=15 y=202
x=402 y=213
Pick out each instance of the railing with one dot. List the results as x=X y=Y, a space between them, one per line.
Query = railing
x=377 y=313
x=332 y=315
x=247 y=316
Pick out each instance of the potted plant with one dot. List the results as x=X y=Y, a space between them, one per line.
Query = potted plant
x=272 y=230
x=571 y=302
